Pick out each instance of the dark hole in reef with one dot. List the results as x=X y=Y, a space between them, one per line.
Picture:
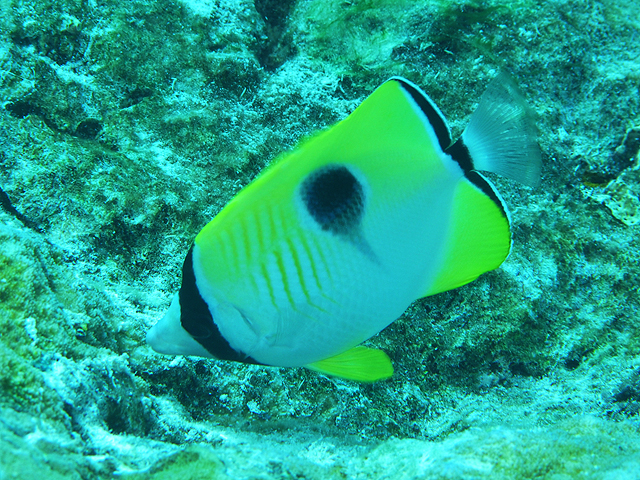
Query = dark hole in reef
x=627 y=393
x=276 y=45
x=116 y=418
x=135 y=96
x=520 y=368
x=89 y=129
x=571 y=363
x=22 y=108
x=274 y=12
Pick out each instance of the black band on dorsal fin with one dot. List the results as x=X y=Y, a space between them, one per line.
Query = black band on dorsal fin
x=197 y=320
x=433 y=114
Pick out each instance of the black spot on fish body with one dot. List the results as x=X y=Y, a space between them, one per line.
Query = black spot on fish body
x=335 y=199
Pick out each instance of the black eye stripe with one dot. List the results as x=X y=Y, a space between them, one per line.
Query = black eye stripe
x=334 y=198
x=197 y=321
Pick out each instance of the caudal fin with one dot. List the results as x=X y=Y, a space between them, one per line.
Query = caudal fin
x=501 y=136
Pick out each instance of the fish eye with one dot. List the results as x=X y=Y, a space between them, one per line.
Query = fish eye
x=334 y=198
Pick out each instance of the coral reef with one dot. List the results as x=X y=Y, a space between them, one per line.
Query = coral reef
x=126 y=126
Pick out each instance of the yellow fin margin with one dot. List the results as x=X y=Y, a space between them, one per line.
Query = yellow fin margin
x=360 y=363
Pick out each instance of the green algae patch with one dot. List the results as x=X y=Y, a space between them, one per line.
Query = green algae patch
x=23 y=387
x=196 y=462
x=23 y=292
x=29 y=323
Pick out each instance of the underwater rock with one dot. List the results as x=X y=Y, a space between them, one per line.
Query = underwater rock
x=126 y=126
x=622 y=195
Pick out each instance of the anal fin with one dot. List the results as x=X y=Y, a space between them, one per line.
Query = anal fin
x=360 y=363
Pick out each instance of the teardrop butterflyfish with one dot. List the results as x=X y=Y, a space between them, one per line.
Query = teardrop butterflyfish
x=335 y=239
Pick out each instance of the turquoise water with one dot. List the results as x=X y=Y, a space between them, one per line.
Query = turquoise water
x=125 y=127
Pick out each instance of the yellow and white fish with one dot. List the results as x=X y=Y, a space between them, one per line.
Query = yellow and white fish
x=331 y=243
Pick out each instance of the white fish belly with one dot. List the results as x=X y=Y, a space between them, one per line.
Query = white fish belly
x=317 y=295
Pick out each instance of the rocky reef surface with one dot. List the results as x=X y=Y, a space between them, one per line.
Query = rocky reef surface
x=126 y=126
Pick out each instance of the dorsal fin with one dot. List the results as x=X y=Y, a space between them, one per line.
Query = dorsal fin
x=430 y=110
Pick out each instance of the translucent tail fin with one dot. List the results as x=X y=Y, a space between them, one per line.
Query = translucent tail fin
x=501 y=136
